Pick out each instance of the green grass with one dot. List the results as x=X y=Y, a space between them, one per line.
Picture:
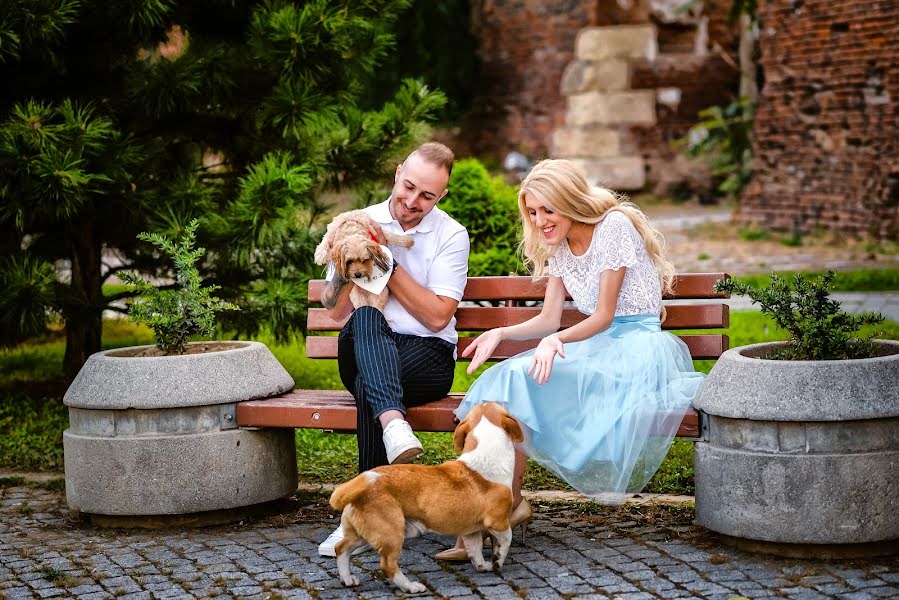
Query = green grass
x=32 y=416
x=864 y=280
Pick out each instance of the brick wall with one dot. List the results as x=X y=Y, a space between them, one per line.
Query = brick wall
x=827 y=153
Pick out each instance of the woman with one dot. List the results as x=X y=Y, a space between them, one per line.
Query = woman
x=600 y=401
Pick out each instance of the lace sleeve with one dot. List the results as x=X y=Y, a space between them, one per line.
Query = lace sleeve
x=619 y=244
x=552 y=266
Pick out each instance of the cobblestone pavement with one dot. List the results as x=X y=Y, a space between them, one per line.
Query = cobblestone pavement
x=632 y=553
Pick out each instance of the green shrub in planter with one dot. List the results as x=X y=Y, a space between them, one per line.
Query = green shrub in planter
x=175 y=315
x=819 y=329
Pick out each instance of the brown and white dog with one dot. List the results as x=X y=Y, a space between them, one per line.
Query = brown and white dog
x=462 y=497
x=351 y=245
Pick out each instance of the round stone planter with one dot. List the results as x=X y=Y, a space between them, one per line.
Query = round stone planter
x=157 y=436
x=801 y=453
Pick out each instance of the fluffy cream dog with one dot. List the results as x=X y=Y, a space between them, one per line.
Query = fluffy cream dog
x=351 y=245
x=462 y=497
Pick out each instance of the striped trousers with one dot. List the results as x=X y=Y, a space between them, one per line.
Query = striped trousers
x=385 y=370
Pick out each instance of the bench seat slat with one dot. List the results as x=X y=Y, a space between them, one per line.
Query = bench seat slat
x=480 y=318
x=336 y=411
x=701 y=346
x=687 y=285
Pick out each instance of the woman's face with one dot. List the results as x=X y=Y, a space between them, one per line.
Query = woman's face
x=553 y=226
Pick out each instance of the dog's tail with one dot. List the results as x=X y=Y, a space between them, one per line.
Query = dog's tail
x=345 y=493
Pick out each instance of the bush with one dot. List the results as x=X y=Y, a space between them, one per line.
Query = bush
x=724 y=137
x=175 y=315
x=818 y=328
x=488 y=208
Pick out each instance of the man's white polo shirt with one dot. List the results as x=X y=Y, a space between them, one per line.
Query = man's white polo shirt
x=437 y=261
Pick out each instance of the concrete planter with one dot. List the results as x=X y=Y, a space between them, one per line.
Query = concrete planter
x=800 y=452
x=156 y=435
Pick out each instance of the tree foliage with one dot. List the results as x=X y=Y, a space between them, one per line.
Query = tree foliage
x=143 y=115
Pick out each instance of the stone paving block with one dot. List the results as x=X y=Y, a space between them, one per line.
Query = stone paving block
x=545 y=568
x=725 y=575
x=85 y=589
x=451 y=590
x=656 y=584
x=16 y=593
x=882 y=592
x=617 y=590
x=542 y=594
x=864 y=582
x=95 y=596
x=639 y=576
x=497 y=591
x=673 y=593
x=706 y=588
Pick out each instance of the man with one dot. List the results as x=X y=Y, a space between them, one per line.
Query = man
x=407 y=355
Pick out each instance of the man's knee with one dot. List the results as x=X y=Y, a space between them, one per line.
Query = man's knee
x=367 y=319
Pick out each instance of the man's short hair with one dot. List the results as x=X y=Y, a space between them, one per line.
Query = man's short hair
x=437 y=154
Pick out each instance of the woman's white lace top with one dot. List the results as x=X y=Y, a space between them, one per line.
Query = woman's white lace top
x=615 y=244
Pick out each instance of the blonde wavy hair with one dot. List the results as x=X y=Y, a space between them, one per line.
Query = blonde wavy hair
x=565 y=191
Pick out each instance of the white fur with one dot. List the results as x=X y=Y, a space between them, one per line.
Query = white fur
x=414 y=528
x=371 y=476
x=494 y=456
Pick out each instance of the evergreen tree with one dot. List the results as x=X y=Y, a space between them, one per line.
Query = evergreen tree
x=122 y=117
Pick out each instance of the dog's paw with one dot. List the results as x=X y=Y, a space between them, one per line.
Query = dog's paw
x=414 y=588
x=351 y=581
x=483 y=568
x=498 y=568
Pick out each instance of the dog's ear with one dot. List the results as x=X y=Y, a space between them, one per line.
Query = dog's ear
x=462 y=431
x=513 y=428
x=323 y=248
x=380 y=258
x=337 y=257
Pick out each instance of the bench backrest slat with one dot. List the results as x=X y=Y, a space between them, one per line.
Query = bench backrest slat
x=687 y=286
x=513 y=290
x=470 y=318
x=702 y=346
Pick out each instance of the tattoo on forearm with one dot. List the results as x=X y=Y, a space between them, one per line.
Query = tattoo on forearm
x=332 y=291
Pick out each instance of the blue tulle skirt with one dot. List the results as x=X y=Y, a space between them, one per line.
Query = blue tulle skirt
x=608 y=414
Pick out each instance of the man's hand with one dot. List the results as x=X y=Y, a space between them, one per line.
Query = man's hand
x=377 y=233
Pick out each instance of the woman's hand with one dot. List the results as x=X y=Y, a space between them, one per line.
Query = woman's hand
x=542 y=363
x=482 y=348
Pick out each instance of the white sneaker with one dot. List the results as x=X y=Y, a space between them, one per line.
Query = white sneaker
x=401 y=444
x=326 y=548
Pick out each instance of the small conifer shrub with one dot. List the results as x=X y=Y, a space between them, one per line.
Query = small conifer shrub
x=175 y=315
x=819 y=329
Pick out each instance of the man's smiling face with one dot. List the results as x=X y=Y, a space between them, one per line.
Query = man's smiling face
x=417 y=188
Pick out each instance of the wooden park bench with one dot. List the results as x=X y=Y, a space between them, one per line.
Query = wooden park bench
x=335 y=410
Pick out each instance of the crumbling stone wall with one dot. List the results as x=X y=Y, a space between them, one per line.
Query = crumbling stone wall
x=524 y=46
x=529 y=68
x=827 y=153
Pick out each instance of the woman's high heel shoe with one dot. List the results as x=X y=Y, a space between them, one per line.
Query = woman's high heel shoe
x=520 y=516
